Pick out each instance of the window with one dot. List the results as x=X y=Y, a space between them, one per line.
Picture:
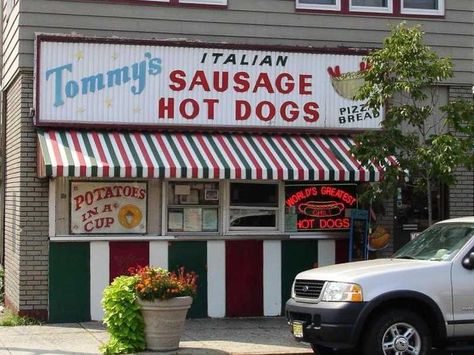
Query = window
x=253 y=206
x=376 y=7
x=371 y=6
x=204 y=2
x=420 y=7
x=193 y=207
x=319 y=4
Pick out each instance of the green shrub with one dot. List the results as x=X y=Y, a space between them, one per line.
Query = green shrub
x=9 y=319
x=123 y=317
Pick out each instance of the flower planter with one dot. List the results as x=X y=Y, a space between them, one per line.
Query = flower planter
x=164 y=322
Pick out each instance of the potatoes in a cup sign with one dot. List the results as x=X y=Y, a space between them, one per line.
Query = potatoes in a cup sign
x=347 y=84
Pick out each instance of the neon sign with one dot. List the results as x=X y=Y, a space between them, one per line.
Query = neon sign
x=320 y=207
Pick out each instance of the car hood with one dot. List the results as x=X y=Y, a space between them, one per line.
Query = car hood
x=361 y=270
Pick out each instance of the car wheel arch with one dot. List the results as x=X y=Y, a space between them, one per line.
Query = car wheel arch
x=416 y=301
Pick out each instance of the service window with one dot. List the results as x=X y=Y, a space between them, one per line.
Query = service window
x=193 y=207
x=253 y=206
x=371 y=5
x=423 y=7
x=319 y=4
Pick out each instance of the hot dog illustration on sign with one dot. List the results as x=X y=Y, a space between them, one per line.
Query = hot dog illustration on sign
x=321 y=208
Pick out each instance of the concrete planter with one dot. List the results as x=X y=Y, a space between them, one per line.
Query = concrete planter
x=164 y=322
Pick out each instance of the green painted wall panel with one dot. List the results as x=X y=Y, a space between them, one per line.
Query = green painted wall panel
x=69 y=282
x=193 y=256
x=296 y=256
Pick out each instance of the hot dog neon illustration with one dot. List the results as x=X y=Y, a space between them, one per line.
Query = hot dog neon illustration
x=321 y=208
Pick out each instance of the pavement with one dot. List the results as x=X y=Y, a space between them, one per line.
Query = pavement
x=256 y=336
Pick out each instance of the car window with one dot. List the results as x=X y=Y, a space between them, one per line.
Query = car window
x=439 y=242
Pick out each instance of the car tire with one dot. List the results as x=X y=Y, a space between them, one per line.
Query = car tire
x=401 y=331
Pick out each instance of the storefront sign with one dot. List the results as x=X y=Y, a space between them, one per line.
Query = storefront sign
x=319 y=207
x=164 y=86
x=104 y=208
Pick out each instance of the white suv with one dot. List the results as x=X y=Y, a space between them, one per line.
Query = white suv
x=421 y=297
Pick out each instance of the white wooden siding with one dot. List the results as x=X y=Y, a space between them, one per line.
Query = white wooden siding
x=270 y=22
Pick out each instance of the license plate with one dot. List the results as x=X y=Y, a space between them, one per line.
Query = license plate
x=297 y=329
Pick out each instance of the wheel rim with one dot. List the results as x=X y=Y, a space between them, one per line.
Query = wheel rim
x=401 y=339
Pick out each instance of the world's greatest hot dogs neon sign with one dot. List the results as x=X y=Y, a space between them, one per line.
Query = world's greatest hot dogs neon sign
x=320 y=207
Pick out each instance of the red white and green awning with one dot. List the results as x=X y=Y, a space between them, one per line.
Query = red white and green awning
x=200 y=155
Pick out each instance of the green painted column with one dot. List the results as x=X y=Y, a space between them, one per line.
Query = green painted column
x=296 y=256
x=69 y=282
x=193 y=256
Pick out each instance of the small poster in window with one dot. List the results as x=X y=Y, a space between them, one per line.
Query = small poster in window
x=192 y=220
x=191 y=199
x=182 y=189
x=211 y=195
x=209 y=220
x=358 y=235
x=175 y=221
x=291 y=219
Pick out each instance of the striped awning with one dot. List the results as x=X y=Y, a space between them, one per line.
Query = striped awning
x=200 y=155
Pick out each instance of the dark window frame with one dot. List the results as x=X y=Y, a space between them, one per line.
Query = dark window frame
x=170 y=3
x=258 y=208
x=397 y=10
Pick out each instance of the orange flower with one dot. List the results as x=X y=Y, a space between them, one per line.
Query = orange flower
x=156 y=283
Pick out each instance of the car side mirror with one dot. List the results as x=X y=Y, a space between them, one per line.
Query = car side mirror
x=468 y=261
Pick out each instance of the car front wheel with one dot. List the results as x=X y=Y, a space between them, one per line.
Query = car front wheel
x=398 y=332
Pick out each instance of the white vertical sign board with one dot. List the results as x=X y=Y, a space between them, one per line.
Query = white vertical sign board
x=108 y=207
x=159 y=85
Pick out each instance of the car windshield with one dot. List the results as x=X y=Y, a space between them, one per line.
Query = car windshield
x=440 y=242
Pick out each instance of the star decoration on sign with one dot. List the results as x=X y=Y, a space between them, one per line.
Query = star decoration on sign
x=137 y=109
x=108 y=102
x=115 y=56
x=80 y=110
x=79 y=55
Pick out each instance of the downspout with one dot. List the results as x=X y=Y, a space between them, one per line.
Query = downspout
x=3 y=116
x=2 y=145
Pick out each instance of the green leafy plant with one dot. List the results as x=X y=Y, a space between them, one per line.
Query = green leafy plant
x=123 y=316
x=9 y=319
x=429 y=140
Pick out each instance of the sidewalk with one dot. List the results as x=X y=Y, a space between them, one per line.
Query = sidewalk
x=263 y=336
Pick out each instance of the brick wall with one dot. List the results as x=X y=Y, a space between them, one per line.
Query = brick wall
x=461 y=195
x=26 y=207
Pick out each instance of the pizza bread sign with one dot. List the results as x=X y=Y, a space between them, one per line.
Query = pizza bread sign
x=108 y=208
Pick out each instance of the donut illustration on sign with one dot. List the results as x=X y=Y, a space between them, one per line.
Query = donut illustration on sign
x=130 y=216
x=347 y=84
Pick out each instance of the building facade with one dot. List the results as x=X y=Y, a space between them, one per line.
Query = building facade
x=209 y=134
